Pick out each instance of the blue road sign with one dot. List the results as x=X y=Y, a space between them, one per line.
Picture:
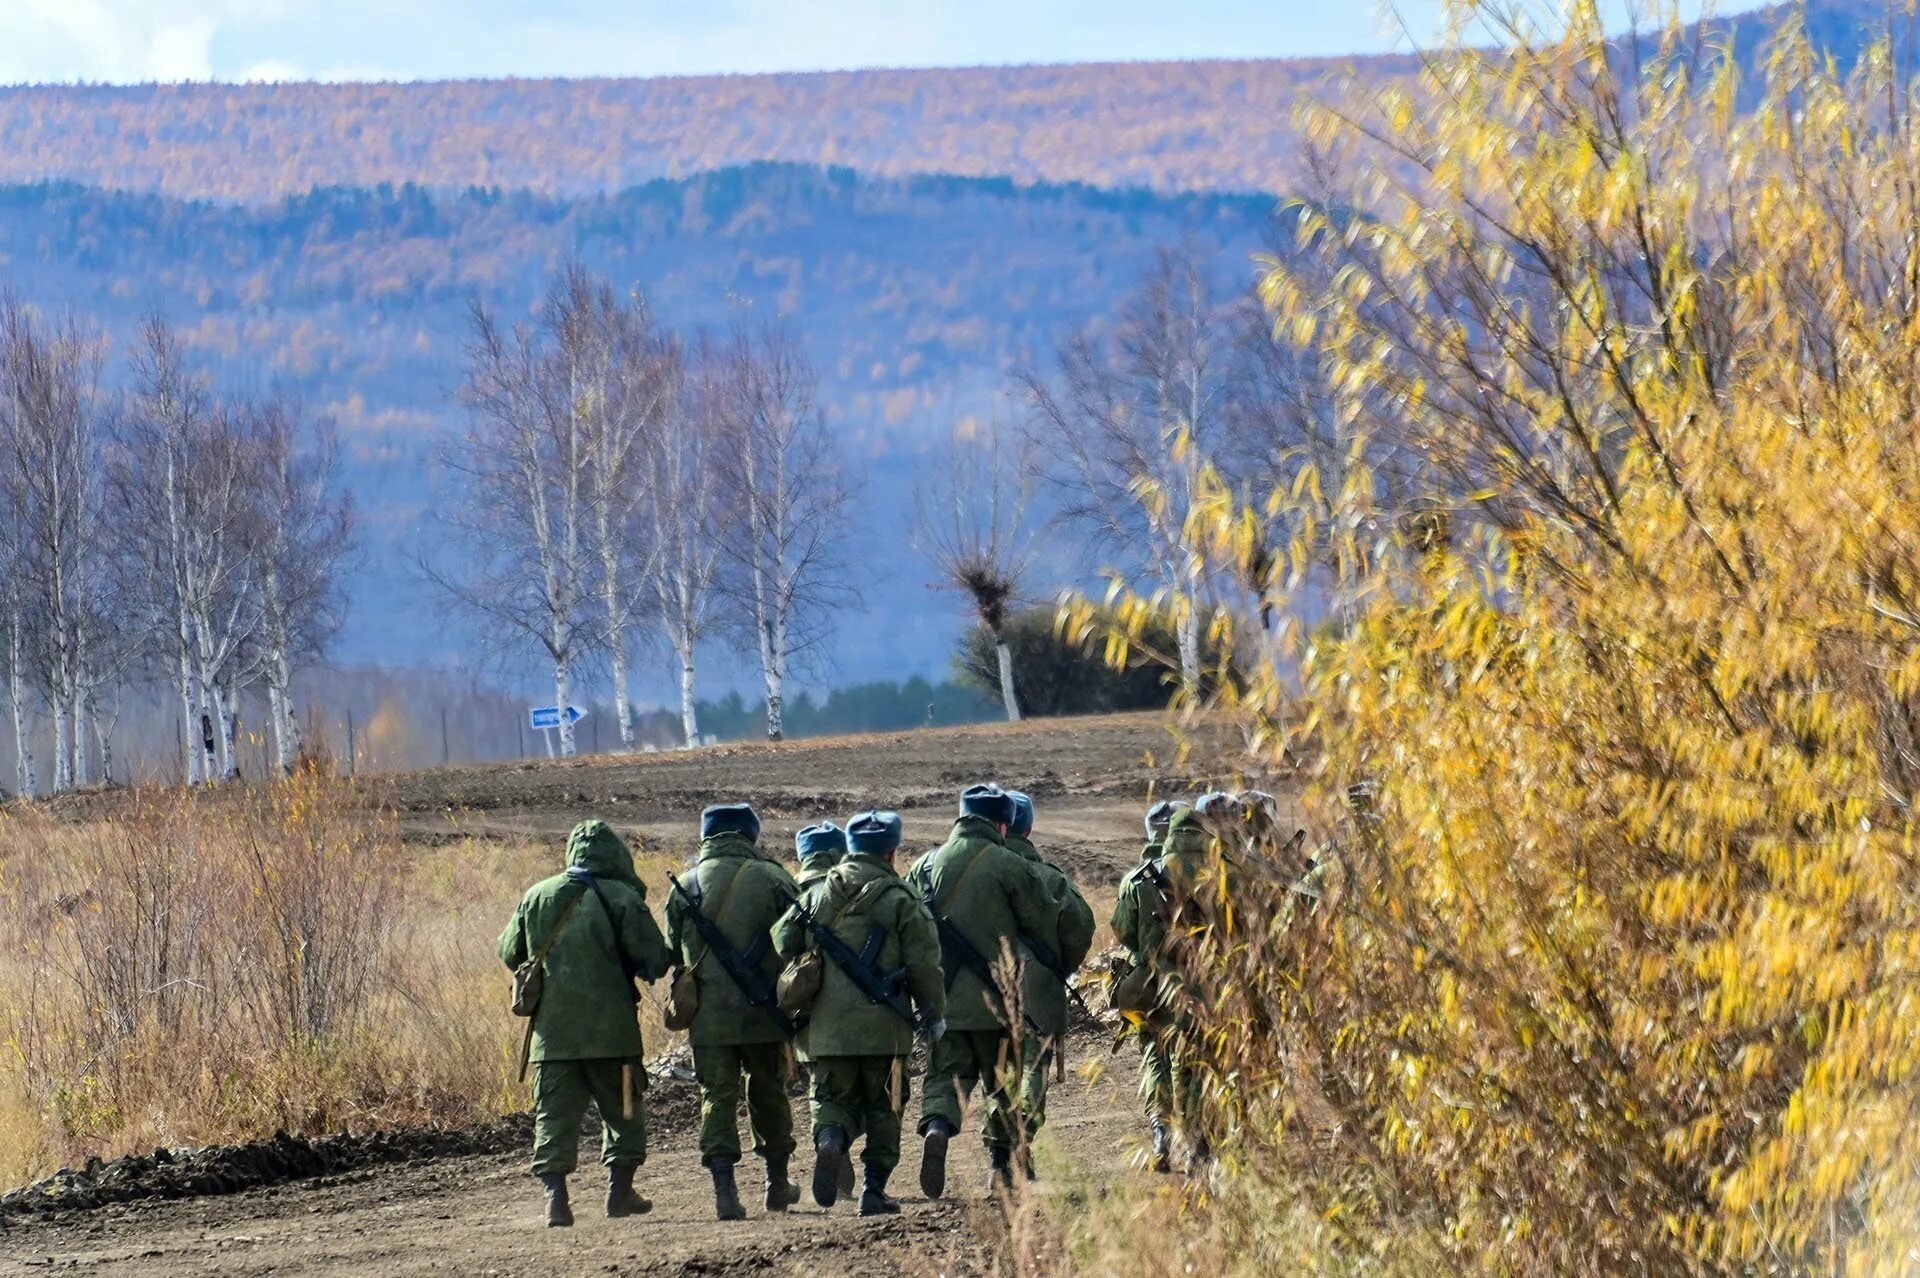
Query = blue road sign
x=549 y=716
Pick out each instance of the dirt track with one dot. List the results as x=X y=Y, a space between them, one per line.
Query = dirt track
x=480 y=1214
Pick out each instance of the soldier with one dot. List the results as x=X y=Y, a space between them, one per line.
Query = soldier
x=718 y=923
x=590 y=932
x=983 y=897
x=882 y=938
x=1159 y=906
x=1156 y=1071
x=1049 y=961
x=820 y=848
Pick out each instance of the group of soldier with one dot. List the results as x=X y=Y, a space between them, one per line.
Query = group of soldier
x=839 y=968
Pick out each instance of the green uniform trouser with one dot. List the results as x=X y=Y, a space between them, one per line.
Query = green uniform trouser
x=561 y=1091
x=862 y=1093
x=961 y=1060
x=718 y=1070
x=1168 y=1085
x=1037 y=1056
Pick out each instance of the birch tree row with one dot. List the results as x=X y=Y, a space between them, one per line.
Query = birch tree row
x=624 y=490
x=154 y=532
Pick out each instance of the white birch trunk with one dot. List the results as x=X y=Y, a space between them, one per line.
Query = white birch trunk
x=22 y=730
x=1012 y=703
x=82 y=769
x=562 y=693
x=62 y=745
x=622 y=711
x=189 y=721
x=689 y=708
x=1189 y=636
x=223 y=731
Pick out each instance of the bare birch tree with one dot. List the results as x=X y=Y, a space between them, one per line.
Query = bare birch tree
x=608 y=372
x=682 y=518
x=520 y=520
x=1129 y=424
x=182 y=488
x=971 y=522
x=302 y=531
x=51 y=417
x=784 y=500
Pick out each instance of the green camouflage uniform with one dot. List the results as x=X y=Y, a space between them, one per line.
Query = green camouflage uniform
x=1043 y=993
x=743 y=894
x=1156 y=1070
x=585 y=1033
x=857 y=1049
x=992 y=895
x=1141 y=917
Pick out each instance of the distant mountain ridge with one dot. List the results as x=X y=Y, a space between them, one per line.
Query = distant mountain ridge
x=1165 y=126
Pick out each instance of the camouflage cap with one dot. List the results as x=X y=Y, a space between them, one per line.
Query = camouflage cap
x=1160 y=815
x=874 y=833
x=818 y=839
x=730 y=818
x=987 y=801
x=1022 y=823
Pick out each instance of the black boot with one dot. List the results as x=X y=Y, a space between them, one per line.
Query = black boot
x=621 y=1199
x=847 y=1182
x=781 y=1192
x=1000 y=1178
x=1200 y=1159
x=873 y=1199
x=726 y=1198
x=1161 y=1160
x=933 y=1157
x=829 y=1155
x=559 y=1214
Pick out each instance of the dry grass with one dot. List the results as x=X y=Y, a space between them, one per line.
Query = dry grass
x=215 y=968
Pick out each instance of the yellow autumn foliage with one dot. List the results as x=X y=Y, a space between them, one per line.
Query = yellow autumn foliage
x=1617 y=606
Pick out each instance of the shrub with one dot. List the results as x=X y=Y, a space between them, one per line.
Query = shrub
x=1614 y=974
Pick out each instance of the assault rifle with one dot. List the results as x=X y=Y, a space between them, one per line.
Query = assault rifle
x=1044 y=955
x=879 y=989
x=957 y=952
x=743 y=968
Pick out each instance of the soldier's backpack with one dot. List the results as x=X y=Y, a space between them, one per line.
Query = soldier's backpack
x=530 y=978
x=683 y=988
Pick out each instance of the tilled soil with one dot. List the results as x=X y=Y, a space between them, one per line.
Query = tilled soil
x=481 y=1213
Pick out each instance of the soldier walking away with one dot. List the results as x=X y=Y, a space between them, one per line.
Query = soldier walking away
x=588 y=931
x=984 y=897
x=719 y=921
x=878 y=949
x=1159 y=910
x=820 y=848
x=1049 y=961
x=1156 y=1070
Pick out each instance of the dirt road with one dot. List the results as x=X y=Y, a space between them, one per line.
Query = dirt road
x=481 y=1215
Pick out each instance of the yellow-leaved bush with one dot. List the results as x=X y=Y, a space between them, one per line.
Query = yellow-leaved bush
x=1616 y=602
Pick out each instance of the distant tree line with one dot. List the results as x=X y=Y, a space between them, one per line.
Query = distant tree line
x=161 y=531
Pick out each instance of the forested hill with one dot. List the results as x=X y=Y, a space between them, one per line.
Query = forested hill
x=915 y=298
x=1226 y=125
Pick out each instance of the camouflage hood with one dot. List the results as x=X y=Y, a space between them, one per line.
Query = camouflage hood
x=595 y=848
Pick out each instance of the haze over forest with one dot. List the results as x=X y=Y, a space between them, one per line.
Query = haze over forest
x=925 y=234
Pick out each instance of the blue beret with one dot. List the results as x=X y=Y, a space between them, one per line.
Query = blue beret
x=815 y=839
x=1160 y=815
x=730 y=818
x=1022 y=823
x=877 y=833
x=988 y=801
x=1215 y=803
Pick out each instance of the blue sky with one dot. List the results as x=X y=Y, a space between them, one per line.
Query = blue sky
x=126 y=40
